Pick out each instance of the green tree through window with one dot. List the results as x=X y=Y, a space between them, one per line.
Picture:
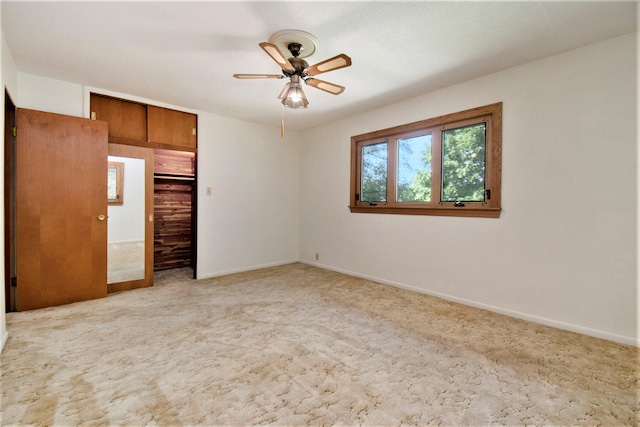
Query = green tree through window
x=463 y=163
x=414 y=169
x=374 y=172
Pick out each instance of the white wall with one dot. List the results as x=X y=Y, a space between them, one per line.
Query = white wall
x=127 y=221
x=9 y=79
x=9 y=71
x=563 y=251
x=53 y=96
x=251 y=217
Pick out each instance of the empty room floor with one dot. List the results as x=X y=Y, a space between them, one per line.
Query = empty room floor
x=299 y=345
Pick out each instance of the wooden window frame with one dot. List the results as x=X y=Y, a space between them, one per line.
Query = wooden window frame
x=119 y=199
x=489 y=208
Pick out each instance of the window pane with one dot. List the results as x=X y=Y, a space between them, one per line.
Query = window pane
x=414 y=169
x=112 y=173
x=463 y=163
x=374 y=173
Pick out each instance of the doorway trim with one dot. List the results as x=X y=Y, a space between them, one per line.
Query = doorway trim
x=9 y=203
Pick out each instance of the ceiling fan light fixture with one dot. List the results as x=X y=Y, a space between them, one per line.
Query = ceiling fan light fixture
x=301 y=44
x=293 y=96
x=284 y=91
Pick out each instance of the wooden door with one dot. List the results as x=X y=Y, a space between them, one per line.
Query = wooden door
x=61 y=209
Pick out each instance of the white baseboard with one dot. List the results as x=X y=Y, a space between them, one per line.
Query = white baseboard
x=243 y=269
x=125 y=241
x=519 y=315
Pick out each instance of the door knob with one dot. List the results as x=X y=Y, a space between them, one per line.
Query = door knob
x=101 y=217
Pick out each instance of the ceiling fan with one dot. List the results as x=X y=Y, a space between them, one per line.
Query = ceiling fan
x=301 y=45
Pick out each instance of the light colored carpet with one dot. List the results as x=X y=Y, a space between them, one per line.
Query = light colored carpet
x=125 y=261
x=298 y=345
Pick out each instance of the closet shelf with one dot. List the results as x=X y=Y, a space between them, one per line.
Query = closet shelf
x=175 y=177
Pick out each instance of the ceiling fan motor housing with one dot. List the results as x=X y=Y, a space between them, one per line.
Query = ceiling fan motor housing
x=295 y=48
x=299 y=65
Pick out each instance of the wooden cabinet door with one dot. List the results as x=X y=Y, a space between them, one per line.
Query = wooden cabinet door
x=127 y=120
x=61 y=209
x=171 y=127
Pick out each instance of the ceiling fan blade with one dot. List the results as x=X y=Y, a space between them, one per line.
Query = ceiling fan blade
x=339 y=61
x=258 y=76
x=274 y=52
x=325 y=86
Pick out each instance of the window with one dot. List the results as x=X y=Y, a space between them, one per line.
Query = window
x=448 y=165
x=115 y=183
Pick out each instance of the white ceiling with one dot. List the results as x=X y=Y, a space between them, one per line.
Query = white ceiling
x=185 y=53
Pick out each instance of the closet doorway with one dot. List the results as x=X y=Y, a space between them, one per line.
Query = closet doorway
x=174 y=209
x=9 y=203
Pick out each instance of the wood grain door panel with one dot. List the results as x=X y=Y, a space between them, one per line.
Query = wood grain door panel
x=61 y=187
x=127 y=120
x=172 y=127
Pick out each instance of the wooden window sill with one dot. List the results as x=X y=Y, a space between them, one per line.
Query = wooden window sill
x=477 y=212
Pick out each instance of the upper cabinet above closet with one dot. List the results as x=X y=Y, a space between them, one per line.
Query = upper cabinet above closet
x=135 y=123
x=171 y=127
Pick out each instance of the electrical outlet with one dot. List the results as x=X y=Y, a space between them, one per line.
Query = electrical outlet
x=317 y=256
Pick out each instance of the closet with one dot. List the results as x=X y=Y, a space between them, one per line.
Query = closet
x=171 y=136
x=174 y=205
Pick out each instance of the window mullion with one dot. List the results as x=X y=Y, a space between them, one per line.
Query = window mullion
x=358 y=165
x=490 y=155
x=436 y=166
x=392 y=174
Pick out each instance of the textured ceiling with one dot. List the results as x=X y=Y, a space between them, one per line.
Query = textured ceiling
x=185 y=53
